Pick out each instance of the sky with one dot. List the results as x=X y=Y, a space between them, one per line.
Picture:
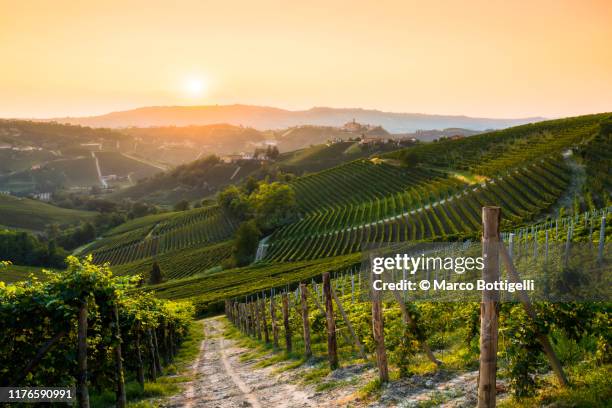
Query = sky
x=478 y=58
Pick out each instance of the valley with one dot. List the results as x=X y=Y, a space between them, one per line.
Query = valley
x=238 y=235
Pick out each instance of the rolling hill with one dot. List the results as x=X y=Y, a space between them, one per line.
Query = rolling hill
x=26 y=214
x=263 y=118
x=427 y=192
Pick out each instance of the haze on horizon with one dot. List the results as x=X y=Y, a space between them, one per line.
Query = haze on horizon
x=478 y=58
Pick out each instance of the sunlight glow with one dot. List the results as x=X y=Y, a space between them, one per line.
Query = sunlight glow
x=195 y=87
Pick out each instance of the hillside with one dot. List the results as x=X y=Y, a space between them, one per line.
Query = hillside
x=44 y=157
x=23 y=213
x=320 y=157
x=425 y=192
x=262 y=118
x=180 y=144
x=192 y=181
x=549 y=180
x=114 y=163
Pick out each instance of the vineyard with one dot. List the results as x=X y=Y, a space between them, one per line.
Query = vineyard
x=181 y=263
x=308 y=292
x=85 y=326
x=163 y=234
x=542 y=345
x=438 y=211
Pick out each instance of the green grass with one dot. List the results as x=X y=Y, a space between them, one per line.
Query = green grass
x=169 y=384
x=34 y=215
x=116 y=163
x=14 y=273
x=591 y=387
x=212 y=289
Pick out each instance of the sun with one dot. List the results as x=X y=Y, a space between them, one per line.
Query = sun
x=195 y=87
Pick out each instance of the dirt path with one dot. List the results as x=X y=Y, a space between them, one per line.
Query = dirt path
x=100 y=178
x=222 y=380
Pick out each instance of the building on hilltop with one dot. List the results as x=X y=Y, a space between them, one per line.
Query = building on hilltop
x=353 y=127
x=371 y=140
x=231 y=158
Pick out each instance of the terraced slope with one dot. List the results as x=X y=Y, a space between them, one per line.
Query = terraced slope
x=163 y=233
x=494 y=152
x=357 y=181
x=180 y=263
x=522 y=193
x=436 y=192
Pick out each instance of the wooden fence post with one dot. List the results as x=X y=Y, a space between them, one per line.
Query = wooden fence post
x=253 y=319
x=139 y=368
x=286 y=323
x=489 y=311
x=379 y=335
x=152 y=352
x=602 y=239
x=82 y=391
x=332 y=345
x=157 y=360
x=257 y=317
x=244 y=318
x=240 y=318
x=264 y=321
x=273 y=321
x=119 y=377
x=305 y=321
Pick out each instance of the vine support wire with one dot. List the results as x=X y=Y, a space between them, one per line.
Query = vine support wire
x=602 y=239
x=352 y=288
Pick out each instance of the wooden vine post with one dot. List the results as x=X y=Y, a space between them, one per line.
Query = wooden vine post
x=153 y=366
x=489 y=308
x=379 y=334
x=305 y=321
x=332 y=344
x=156 y=354
x=286 y=323
x=255 y=304
x=251 y=319
x=81 y=389
x=139 y=366
x=245 y=318
x=119 y=376
x=264 y=321
x=273 y=321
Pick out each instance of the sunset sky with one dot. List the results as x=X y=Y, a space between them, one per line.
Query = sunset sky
x=478 y=58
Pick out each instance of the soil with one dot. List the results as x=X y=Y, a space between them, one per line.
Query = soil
x=223 y=379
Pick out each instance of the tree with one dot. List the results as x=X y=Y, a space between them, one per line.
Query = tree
x=272 y=152
x=250 y=185
x=246 y=242
x=53 y=231
x=182 y=205
x=140 y=209
x=156 y=276
x=235 y=202
x=275 y=205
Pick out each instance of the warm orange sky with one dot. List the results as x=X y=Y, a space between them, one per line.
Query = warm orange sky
x=479 y=58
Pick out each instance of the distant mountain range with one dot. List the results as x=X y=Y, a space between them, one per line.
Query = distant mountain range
x=264 y=118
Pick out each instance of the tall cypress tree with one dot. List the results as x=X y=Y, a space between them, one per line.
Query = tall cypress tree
x=156 y=276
